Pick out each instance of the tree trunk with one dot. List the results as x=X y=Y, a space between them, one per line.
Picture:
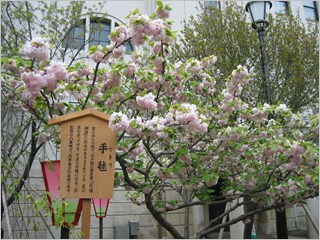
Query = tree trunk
x=161 y=220
x=248 y=227
x=186 y=222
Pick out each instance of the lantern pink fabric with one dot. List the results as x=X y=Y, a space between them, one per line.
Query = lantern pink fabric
x=51 y=176
x=100 y=206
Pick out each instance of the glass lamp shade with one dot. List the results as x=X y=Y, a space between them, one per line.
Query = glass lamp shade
x=72 y=207
x=100 y=206
x=258 y=11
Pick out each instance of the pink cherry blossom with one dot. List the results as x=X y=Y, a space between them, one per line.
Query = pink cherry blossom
x=130 y=70
x=187 y=113
x=100 y=55
x=157 y=47
x=51 y=81
x=43 y=137
x=119 y=34
x=37 y=49
x=33 y=81
x=136 y=127
x=118 y=52
x=156 y=29
x=162 y=13
x=118 y=121
x=57 y=69
x=116 y=98
x=194 y=66
x=147 y=102
x=114 y=80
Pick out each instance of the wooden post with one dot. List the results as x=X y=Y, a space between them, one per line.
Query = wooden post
x=86 y=214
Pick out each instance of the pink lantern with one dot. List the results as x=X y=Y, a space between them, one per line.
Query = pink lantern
x=51 y=176
x=100 y=206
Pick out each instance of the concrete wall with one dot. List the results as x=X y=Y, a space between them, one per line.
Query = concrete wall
x=296 y=219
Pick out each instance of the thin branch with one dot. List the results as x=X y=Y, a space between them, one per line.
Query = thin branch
x=48 y=103
x=5 y=208
x=33 y=152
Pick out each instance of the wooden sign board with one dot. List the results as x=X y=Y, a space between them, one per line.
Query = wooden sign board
x=88 y=152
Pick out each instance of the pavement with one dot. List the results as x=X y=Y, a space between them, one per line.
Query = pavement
x=293 y=234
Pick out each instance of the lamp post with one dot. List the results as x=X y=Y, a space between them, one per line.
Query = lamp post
x=258 y=13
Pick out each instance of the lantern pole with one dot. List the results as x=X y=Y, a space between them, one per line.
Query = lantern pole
x=100 y=223
x=100 y=228
x=86 y=212
x=64 y=234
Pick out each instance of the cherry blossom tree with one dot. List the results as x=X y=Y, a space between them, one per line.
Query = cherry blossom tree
x=176 y=131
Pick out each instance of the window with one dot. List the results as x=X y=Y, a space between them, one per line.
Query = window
x=310 y=10
x=280 y=7
x=97 y=34
x=75 y=38
x=215 y=4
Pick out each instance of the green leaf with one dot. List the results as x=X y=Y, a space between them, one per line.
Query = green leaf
x=182 y=150
x=159 y=3
x=93 y=49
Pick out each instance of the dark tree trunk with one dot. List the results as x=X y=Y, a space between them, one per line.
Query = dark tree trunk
x=161 y=220
x=248 y=227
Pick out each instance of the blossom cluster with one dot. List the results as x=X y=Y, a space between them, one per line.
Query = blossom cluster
x=36 y=80
x=147 y=102
x=37 y=49
x=185 y=115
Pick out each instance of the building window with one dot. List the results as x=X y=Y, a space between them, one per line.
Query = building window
x=215 y=4
x=98 y=34
x=310 y=10
x=280 y=7
x=75 y=39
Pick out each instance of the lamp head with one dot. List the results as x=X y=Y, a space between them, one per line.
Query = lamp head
x=258 y=11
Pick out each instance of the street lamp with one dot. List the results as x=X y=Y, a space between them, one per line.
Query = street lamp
x=258 y=11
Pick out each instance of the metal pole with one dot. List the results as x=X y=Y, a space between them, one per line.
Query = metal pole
x=100 y=228
x=64 y=232
x=265 y=65
x=281 y=219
